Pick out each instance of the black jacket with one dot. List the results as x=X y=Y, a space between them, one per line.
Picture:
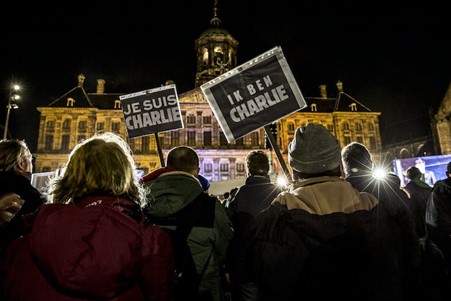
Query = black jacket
x=12 y=182
x=324 y=240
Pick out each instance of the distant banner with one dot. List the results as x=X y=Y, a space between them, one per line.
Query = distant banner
x=254 y=94
x=151 y=111
x=433 y=168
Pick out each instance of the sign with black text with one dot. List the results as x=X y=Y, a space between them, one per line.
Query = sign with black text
x=254 y=94
x=151 y=111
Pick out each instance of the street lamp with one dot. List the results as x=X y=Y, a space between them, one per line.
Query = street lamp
x=13 y=96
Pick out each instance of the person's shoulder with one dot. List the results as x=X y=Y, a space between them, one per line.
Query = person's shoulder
x=233 y=191
x=442 y=186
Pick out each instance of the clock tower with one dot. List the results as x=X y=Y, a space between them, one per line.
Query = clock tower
x=216 y=51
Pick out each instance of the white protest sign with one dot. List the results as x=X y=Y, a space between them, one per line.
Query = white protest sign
x=151 y=111
x=254 y=94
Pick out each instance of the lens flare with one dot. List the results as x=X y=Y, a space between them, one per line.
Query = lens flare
x=379 y=173
x=281 y=181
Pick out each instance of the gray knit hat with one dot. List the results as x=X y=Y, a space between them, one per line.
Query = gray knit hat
x=314 y=150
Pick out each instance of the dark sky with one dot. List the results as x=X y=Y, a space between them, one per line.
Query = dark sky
x=393 y=57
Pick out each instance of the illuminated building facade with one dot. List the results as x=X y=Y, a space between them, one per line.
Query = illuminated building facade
x=441 y=124
x=77 y=115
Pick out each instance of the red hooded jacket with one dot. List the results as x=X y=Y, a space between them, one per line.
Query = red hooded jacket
x=98 y=249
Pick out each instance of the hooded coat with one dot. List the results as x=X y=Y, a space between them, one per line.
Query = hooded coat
x=322 y=240
x=172 y=191
x=96 y=250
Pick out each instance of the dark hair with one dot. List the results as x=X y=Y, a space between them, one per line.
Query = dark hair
x=257 y=163
x=448 y=167
x=183 y=158
x=412 y=172
x=356 y=157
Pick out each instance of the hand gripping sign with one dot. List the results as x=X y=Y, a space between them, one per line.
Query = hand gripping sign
x=254 y=94
x=151 y=111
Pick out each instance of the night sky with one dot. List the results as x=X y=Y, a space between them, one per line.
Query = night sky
x=393 y=59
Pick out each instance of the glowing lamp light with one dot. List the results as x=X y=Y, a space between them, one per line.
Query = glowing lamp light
x=13 y=96
x=379 y=173
x=281 y=181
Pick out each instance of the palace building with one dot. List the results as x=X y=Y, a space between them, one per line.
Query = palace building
x=79 y=114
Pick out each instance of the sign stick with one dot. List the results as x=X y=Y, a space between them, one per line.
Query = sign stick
x=160 y=153
x=277 y=150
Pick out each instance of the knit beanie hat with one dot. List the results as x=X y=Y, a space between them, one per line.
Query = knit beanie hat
x=314 y=150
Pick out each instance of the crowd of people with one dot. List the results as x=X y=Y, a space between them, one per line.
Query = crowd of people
x=102 y=232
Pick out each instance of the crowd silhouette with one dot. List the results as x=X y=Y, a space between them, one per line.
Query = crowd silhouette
x=100 y=231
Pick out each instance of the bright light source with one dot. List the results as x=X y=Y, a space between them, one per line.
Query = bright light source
x=379 y=173
x=281 y=181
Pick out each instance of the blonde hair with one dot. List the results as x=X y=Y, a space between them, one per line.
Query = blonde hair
x=100 y=164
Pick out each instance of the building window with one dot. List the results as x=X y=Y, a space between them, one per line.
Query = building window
x=240 y=167
x=115 y=126
x=65 y=139
x=100 y=126
x=290 y=128
x=313 y=107
x=50 y=124
x=66 y=124
x=191 y=119
x=358 y=126
x=175 y=138
x=48 y=142
x=222 y=139
x=205 y=56
x=239 y=141
x=345 y=126
x=372 y=143
x=207 y=138
x=347 y=140
x=191 y=138
x=70 y=102
x=330 y=128
x=359 y=139
x=82 y=125
x=145 y=143
x=81 y=138
x=370 y=126
x=208 y=167
x=254 y=139
x=224 y=167
x=206 y=119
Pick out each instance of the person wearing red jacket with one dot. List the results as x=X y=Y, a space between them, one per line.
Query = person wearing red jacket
x=90 y=241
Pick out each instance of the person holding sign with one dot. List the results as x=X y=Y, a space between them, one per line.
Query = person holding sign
x=321 y=239
x=177 y=202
